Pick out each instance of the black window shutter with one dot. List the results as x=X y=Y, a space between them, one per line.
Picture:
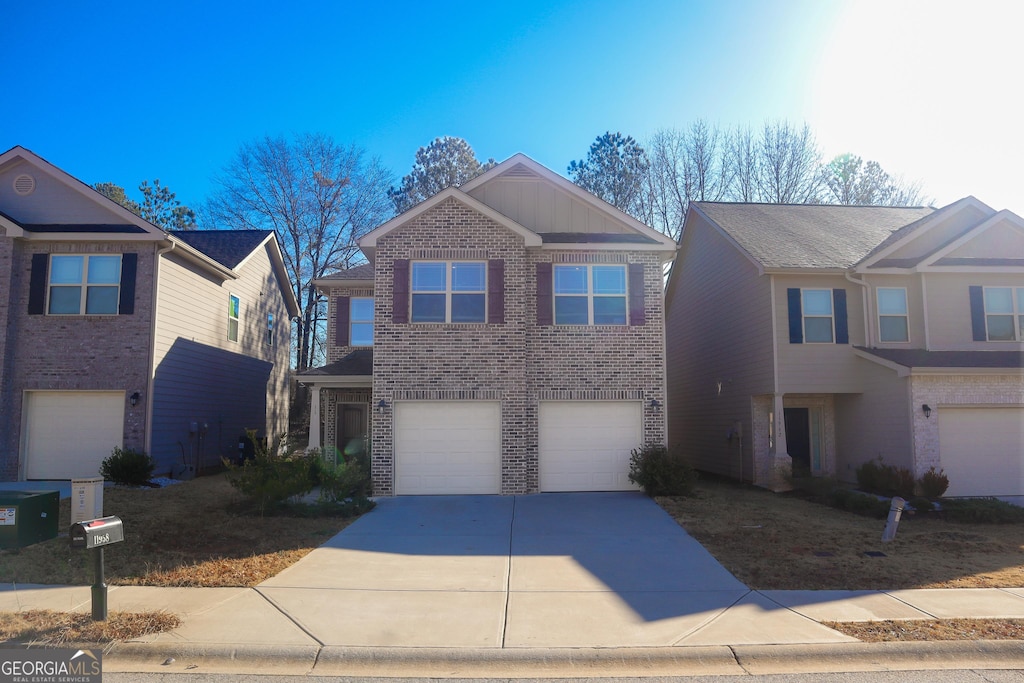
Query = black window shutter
x=341 y=309
x=129 y=269
x=400 y=292
x=637 y=314
x=839 y=309
x=496 y=292
x=978 y=329
x=796 y=318
x=545 y=303
x=37 y=284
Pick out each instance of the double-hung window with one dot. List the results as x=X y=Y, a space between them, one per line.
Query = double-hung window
x=233 y=310
x=1004 y=313
x=818 y=319
x=449 y=291
x=361 y=321
x=88 y=284
x=590 y=295
x=893 y=325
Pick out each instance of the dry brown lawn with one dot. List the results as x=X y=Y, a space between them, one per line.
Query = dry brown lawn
x=56 y=629
x=944 y=629
x=781 y=542
x=196 y=533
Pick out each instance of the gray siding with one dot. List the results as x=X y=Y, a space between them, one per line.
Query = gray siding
x=718 y=330
x=949 y=309
x=874 y=423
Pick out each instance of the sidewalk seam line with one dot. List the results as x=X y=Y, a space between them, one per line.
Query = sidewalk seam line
x=708 y=622
x=508 y=573
x=290 y=618
x=919 y=609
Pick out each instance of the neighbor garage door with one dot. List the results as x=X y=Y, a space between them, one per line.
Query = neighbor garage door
x=982 y=450
x=447 y=447
x=69 y=433
x=586 y=445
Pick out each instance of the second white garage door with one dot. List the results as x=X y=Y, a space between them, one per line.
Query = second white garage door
x=586 y=445
x=69 y=433
x=447 y=447
x=982 y=450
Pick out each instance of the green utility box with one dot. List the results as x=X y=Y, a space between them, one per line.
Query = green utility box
x=28 y=517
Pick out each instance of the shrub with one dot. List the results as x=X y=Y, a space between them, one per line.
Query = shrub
x=343 y=481
x=130 y=467
x=272 y=477
x=933 y=484
x=921 y=504
x=982 y=510
x=885 y=480
x=661 y=472
x=859 y=503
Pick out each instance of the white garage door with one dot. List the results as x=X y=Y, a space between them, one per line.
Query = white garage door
x=447 y=447
x=69 y=433
x=586 y=445
x=982 y=450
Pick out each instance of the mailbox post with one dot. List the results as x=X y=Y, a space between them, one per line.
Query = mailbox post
x=95 y=535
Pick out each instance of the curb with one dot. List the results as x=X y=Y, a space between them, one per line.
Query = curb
x=562 y=662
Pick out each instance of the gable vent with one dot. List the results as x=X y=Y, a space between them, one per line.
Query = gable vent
x=24 y=184
x=519 y=171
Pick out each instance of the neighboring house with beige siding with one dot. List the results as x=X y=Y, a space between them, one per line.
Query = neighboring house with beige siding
x=506 y=337
x=115 y=333
x=812 y=339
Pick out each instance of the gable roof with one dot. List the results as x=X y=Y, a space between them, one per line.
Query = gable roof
x=814 y=236
x=227 y=247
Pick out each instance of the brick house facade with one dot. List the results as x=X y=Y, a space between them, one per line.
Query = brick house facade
x=518 y=358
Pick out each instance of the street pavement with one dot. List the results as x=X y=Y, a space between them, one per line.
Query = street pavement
x=546 y=585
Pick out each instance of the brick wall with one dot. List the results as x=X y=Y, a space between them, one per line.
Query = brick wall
x=517 y=362
x=77 y=352
x=8 y=465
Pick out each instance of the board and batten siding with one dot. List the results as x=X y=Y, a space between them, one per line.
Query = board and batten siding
x=207 y=389
x=542 y=207
x=718 y=330
x=810 y=368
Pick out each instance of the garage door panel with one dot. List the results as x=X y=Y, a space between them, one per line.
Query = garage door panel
x=982 y=450
x=586 y=445
x=447 y=447
x=68 y=434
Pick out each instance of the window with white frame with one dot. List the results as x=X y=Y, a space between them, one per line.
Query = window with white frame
x=270 y=329
x=590 y=295
x=893 y=319
x=88 y=284
x=449 y=291
x=1004 y=313
x=819 y=322
x=361 y=321
x=233 y=310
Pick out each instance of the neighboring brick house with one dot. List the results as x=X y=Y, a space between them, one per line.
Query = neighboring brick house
x=816 y=338
x=115 y=333
x=506 y=337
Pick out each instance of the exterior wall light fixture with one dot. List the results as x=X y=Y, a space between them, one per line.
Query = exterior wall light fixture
x=927 y=410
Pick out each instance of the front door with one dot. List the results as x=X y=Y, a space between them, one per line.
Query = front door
x=352 y=430
x=798 y=440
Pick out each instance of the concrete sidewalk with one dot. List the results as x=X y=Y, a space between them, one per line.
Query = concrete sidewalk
x=547 y=585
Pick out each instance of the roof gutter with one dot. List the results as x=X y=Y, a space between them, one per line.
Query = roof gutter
x=864 y=296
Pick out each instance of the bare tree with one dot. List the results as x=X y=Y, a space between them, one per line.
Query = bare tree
x=789 y=165
x=744 y=161
x=318 y=196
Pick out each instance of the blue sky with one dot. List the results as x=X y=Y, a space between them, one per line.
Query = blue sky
x=125 y=92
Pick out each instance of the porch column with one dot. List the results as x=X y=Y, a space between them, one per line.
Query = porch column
x=314 y=418
x=780 y=464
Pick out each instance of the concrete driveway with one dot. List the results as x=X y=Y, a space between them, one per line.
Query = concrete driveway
x=546 y=570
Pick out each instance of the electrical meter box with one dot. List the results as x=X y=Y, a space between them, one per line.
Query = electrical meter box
x=28 y=517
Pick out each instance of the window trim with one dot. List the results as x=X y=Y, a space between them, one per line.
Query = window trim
x=880 y=315
x=831 y=316
x=270 y=329
x=448 y=292
x=83 y=284
x=1016 y=313
x=352 y=321
x=237 y=318
x=590 y=294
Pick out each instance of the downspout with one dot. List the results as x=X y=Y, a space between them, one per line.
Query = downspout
x=865 y=298
x=152 y=345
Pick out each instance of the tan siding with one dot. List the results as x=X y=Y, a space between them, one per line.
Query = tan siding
x=818 y=368
x=201 y=376
x=542 y=207
x=718 y=330
x=949 y=309
x=941 y=233
x=884 y=404
x=999 y=241
x=51 y=202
